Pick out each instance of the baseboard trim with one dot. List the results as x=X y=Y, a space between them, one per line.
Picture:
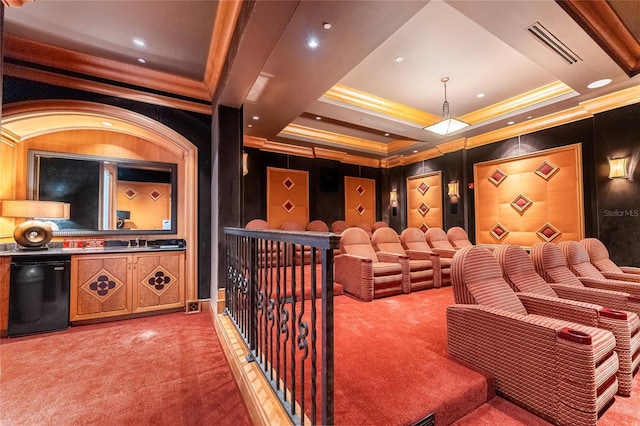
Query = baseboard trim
x=263 y=405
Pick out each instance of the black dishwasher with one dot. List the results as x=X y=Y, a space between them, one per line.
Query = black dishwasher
x=38 y=294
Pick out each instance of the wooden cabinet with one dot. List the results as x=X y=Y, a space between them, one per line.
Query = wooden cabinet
x=158 y=281
x=105 y=285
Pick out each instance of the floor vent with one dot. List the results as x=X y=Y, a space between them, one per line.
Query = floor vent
x=429 y=420
x=540 y=33
x=193 y=306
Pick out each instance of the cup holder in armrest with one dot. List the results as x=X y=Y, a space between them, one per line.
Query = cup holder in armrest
x=613 y=314
x=573 y=335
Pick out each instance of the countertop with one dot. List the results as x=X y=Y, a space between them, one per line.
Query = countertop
x=111 y=247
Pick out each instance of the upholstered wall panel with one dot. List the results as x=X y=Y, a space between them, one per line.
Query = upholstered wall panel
x=359 y=200
x=287 y=196
x=537 y=197
x=148 y=203
x=424 y=201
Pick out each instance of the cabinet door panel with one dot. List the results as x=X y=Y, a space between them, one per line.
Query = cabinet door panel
x=159 y=281
x=100 y=286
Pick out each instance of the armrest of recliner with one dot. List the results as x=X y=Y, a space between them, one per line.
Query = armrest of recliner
x=487 y=337
x=622 y=277
x=630 y=270
x=385 y=256
x=608 y=298
x=617 y=285
x=355 y=274
x=563 y=309
x=421 y=255
x=444 y=252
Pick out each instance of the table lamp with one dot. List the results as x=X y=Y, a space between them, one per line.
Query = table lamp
x=34 y=234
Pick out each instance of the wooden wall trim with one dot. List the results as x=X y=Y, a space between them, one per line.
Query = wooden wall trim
x=69 y=60
x=371 y=102
x=224 y=26
x=532 y=97
x=103 y=88
x=140 y=126
x=602 y=23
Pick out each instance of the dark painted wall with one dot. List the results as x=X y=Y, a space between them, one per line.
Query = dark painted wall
x=227 y=151
x=195 y=127
x=617 y=210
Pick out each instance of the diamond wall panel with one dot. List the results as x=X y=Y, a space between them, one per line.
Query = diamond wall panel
x=359 y=200
x=424 y=200
x=539 y=199
x=150 y=206
x=287 y=196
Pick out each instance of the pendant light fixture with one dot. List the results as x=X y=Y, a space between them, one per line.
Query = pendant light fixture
x=447 y=125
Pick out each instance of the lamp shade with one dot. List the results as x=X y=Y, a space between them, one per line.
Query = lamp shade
x=453 y=189
x=618 y=168
x=34 y=234
x=446 y=126
x=35 y=209
x=393 y=198
x=245 y=163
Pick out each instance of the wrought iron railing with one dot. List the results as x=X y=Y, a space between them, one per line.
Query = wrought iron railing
x=279 y=294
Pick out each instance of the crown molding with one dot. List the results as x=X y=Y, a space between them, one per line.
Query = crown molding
x=69 y=60
x=532 y=97
x=603 y=24
x=546 y=122
x=225 y=23
x=613 y=100
x=380 y=105
x=103 y=88
x=452 y=146
x=335 y=138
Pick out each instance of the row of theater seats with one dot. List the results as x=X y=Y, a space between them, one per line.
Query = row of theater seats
x=386 y=263
x=557 y=333
x=377 y=262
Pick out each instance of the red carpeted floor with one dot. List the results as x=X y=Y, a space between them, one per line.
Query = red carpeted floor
x=391 y=365
x=404 y=371
x=161 y=370
x=391 y=368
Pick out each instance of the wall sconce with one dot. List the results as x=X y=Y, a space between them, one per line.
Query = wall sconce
x=245 y=163
x=454 y=189
x=393 y=202
x=618 y=168
x=34 y=234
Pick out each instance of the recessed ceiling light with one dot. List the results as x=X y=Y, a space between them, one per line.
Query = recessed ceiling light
x=511 y=122
x=312 y=43
x=139 y=42
x=398 y=59
x=480 y=95
x=106 y=123
x=387 y=134
x=599 y=83
x=326 y=25
x=255 y=117
x=415 y=150
x=318 y=118
x=249 y=125
x=142 y=60
x=529 y=117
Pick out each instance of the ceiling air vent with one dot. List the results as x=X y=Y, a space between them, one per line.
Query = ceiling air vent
x=540 y=33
